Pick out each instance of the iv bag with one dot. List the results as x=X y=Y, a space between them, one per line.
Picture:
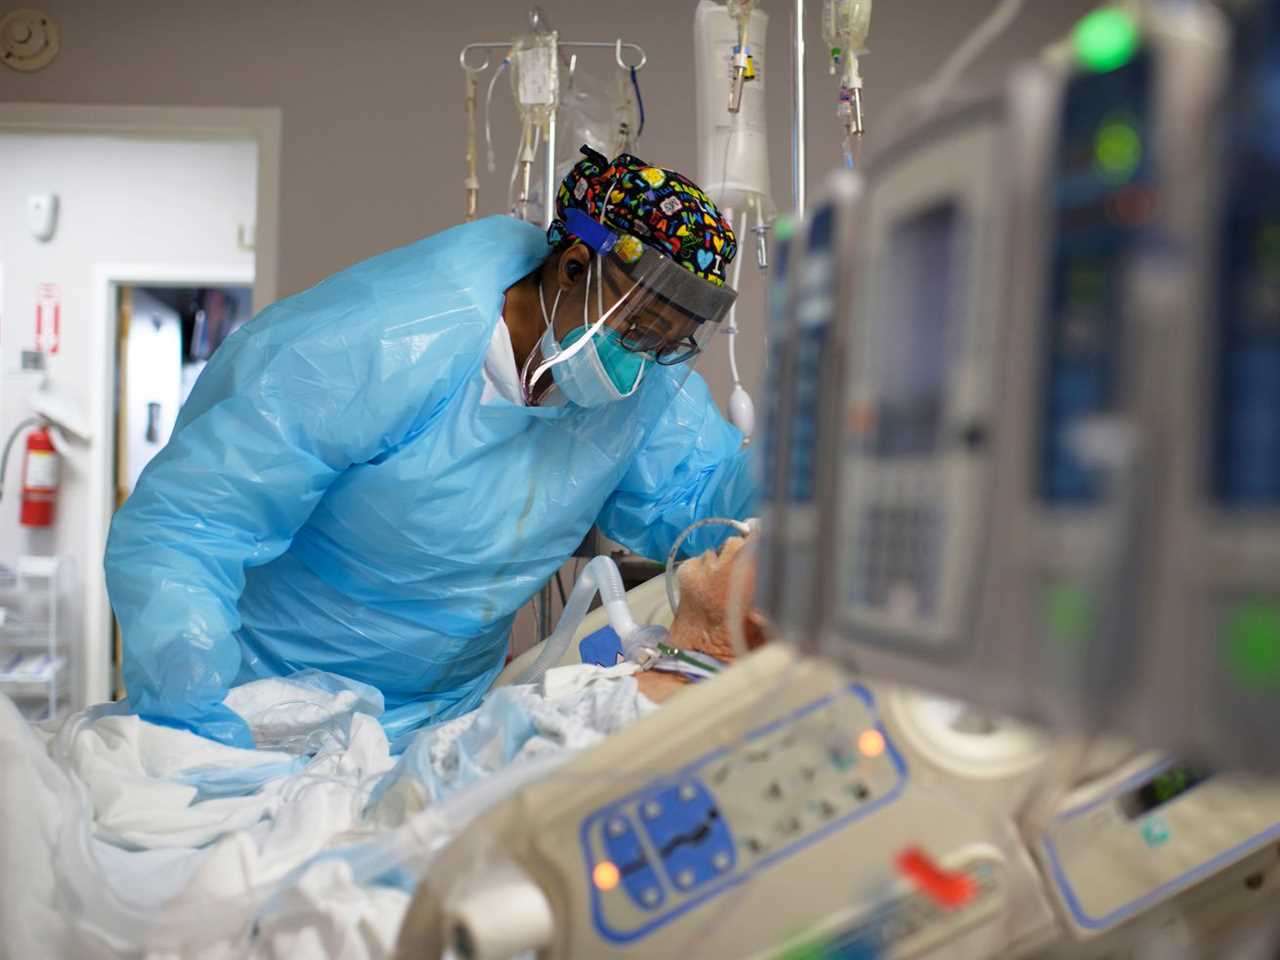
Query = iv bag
x=586 y=117
x=733 y=148
x=845 y=26
x=535 y=76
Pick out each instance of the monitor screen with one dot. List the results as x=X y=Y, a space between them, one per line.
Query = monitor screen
x=916 y=336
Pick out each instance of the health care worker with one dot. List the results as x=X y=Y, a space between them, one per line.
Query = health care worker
x=371 y=477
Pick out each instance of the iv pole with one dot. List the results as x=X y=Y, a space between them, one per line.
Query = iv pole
x=797 y=112
x=549 y=186
x=549 y=177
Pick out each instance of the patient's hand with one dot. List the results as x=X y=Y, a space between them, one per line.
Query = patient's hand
x=701 y=622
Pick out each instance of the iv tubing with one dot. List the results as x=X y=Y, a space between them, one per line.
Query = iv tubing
x=986 y=33
x=635 y=82
x=601 y=574
x=731 y=328
x=488 y=113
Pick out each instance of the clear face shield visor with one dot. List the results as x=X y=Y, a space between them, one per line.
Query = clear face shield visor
x=637 y=302
x=658 y=308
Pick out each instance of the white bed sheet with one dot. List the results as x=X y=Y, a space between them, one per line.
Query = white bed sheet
x=120 y=837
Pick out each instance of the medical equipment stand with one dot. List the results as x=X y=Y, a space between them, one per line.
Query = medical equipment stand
x=797 y=114
x=549 y=175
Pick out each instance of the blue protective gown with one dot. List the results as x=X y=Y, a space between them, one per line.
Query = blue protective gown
x=337 y=496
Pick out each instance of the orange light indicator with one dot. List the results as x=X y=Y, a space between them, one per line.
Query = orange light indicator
x=606 y=875
x=862 y=421
x=871 y=743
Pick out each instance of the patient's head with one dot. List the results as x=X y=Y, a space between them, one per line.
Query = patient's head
x=702 y=618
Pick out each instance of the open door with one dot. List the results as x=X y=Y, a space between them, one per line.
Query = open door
x=165 y=336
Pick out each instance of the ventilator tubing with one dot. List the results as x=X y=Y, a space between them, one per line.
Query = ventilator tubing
x=601 y=574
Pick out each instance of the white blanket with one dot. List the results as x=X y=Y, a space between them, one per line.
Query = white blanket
x=119 y=837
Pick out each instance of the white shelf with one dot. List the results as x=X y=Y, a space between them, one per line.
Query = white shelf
x=24 y=634
x=38 y=568
x=34 y=666
x=47 y=674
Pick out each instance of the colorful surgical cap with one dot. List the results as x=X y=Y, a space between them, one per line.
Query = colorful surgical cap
x=660 y=208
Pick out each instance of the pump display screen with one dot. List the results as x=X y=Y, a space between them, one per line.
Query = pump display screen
x=779 y=290
x=917 y=331
x=1245 y=447
x=1103 y=194
x=1164 y=787
x=815 y=309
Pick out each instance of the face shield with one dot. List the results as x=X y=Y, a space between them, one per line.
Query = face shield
x=640 y=308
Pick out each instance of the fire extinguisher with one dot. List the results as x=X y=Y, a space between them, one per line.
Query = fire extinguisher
x=39 y=479
x=40 y=469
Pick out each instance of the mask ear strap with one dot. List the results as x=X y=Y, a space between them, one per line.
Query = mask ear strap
x=525 y=382
x=599 y=286
x=576 y=348
x=591 y=331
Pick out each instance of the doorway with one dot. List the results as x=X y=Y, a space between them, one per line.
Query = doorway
x=180 y=201
x=165 y=335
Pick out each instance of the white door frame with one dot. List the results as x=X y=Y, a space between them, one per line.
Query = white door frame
x=261 y=125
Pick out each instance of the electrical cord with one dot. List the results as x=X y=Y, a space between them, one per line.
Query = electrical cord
x=930 y=95
x=635 y=83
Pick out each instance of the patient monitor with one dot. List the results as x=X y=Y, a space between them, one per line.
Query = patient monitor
x=1212 y=650
x=806 y=352
x=990 y=504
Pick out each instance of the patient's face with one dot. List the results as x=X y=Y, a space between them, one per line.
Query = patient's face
x=702 y=621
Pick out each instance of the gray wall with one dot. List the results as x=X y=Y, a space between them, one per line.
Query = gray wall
x=372 y=96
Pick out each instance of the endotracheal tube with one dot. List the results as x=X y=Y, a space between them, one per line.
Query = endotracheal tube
x=845 y=27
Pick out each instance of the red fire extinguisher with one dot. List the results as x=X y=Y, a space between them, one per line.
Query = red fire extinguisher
x=39 y=479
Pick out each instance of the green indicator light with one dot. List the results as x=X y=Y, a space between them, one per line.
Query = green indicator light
x=1117 y=150
x=784 y=227
x=1253 y=644
x=1070 y=615
x=1106 y=39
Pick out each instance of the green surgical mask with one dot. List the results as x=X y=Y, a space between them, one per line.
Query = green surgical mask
x=609 y=360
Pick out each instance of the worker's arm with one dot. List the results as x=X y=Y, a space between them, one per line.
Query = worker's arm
x=285 y=406
x=692 y=466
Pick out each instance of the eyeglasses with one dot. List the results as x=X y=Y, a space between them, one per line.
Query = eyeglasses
x=659 y=348
x=653 y=331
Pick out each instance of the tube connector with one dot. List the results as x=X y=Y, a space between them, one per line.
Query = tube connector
x=761 y=230
x=741 y=63
x=858 y=128
x=641 y=645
